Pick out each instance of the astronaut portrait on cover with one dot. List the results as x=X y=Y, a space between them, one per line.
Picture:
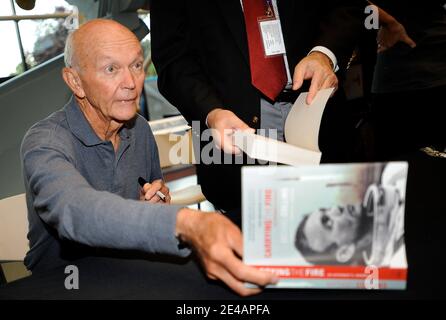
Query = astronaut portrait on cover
x=370 y=232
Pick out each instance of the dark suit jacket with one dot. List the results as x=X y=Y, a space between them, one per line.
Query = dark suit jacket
x=200 y=52
x=411 y=14
x=401 y=68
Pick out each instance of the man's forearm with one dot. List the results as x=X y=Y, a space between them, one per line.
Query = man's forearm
x=76 y=211
x=180 y=75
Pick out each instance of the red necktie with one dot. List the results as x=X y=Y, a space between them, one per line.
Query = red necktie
x=267 y=73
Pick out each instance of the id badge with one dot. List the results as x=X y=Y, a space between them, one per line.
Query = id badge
x=272 y=37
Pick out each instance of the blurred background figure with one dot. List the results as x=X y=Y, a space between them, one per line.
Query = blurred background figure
x=409 y=82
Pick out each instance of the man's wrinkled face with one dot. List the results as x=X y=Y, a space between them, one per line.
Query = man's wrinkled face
x=112 y=75
x=337 y=225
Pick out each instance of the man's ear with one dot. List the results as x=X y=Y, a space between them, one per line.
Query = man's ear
x=345 y=252
x=73 y=81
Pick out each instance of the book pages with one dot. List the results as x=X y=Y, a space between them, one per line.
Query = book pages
x=267 y=149
x=301 y=134
x=303 y=122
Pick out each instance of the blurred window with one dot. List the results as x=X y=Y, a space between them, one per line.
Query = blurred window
x=31 y=37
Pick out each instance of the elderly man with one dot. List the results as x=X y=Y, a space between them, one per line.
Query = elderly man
x=81 y=167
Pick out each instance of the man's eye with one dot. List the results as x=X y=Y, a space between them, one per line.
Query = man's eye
x=110 y=69
x=327 y=222
x=382 y=197
x=138 y=65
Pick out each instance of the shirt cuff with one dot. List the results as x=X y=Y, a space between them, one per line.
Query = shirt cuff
x=329 y=54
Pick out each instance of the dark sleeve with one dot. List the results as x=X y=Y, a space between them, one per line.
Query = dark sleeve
x=154 y=159
x=341 y=25
x=180 y=77
x=411 y=12
x=404 y=6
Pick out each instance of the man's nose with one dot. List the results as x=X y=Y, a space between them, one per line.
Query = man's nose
x=128 y=80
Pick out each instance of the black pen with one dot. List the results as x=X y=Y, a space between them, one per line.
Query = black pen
x=143 y=181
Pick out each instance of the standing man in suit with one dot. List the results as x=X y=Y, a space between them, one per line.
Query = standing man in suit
x=215 y=67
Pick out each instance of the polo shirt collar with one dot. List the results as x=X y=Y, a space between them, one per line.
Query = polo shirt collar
x=82 y=129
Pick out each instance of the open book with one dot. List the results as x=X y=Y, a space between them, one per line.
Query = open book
x=301 y=134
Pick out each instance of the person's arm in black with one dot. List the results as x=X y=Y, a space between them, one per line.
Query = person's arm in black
x=341 y=23
x=391 y=31
x=180 y=76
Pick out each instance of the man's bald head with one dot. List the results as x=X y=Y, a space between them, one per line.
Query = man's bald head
x=94 y=33
x=105 y=72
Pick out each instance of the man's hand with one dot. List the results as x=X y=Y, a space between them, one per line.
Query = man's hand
x=317 y=67
x=149 y=192
x=219 y=245
x=223 y=124
x=391 y=33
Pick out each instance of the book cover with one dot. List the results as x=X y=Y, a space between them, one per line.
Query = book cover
x=328 y=226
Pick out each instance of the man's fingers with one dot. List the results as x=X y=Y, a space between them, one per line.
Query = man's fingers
x=298 y=77
x=245 y=273
x=381 y=48
x=330 y=82
x=253 y=275
x=235 y=284
x=235 y=240
x=146 y=187
x=235 y=150
x=316 y=83
x=151 y=193
x=408 y=40
x=229 y=269
x=223 y=130
x=239 y=125
x=155 y=199
x=229 y=148
x=227 y=142
x=216 y=249
x=152 y=188
x=165 y=190
x=317 y=68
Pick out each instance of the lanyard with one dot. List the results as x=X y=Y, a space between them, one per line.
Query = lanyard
x=269 y=10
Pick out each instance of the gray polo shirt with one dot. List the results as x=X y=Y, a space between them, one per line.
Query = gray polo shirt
x=82 y=196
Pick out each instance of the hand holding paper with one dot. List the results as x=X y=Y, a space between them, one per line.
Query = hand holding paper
x=316 y=66
x=301 y=133
x=223 y=124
